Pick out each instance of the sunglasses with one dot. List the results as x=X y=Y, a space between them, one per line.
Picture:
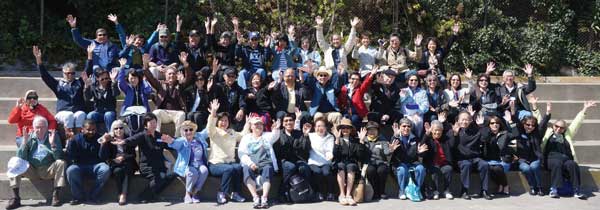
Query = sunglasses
x=163 y=37
x=104 y=79
x=33 y=97
x=118 y=128
x=100 y=34
x=69 y=73
x=188 y=130
x=322 y=75
x=494 y=123
x=405 y=126
x=561 y=127
x=483 y=80
x=529 y=125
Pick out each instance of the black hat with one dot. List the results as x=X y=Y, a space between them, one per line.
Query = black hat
x=194 y=33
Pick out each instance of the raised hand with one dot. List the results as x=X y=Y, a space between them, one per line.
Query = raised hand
x=180 y=77
x=267 y=41
x=528 y=69
x=306 y=128
x=427 y=128
x=442 y=116
x=166 y=138
x=470 y=110
x=90 y=50
x=183 y=58
x=362 y=135
x=130 y=40
x=37 y=53
x=297 y=112
x=507 y=116
x=549 y=107
x=319 y=20
x=455 y=28
x=490 y=67
x=214 y=107
x=207 y=24
x=72 y=21
x=418 y=39
x=213 y=22
x=271 y=85
x=122 y=62
x=396 y=129
x=20 y=102
x=589 y=104
x=291 y=31
x=178 y=23
x=394 y=145
x=276 y=125
x=113 y=74
x=402 y=93
x=146 y=60
x=385 y=117
x=479 y=119
x=105 y=138
x=113 y=18
x=354 y=22
x=374 y=70
x=239 y=116
x=86 y=79
x=455 y=128
x=468 y=73
x=235 y=21
x=422 y=148
x=209 y=84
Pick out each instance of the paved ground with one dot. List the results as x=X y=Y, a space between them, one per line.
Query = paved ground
x=519 y=202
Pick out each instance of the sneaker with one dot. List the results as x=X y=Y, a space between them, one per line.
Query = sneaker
x=532 y=192
x=235 y=196
x=55 y=199
x=342 y=200
x=436 y=195
x=402 y=196
x=350 y=201
x=264 y=203
x=384 y=196
x=540 y=192
x=221 y=199
x=187 y=198
x=466 y=196
x=553 y=193
x=195 y=198
x=330 y=197
x=256 y=202
x=75 y=202
x=580 y=195
x=448 y=195
x=14 y=203
x=486 y=195
x=320 y=196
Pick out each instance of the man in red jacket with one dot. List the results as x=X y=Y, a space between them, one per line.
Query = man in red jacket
x=351 y=100
x=24 y=112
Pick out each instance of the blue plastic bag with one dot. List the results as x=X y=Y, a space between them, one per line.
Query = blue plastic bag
x=412 y=190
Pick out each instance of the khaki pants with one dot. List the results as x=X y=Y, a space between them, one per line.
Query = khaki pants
x=56 y=172
x=169 y=116
x=332 y=117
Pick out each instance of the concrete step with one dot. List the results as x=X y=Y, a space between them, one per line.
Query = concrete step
x=588 y=130
x=17 y=86
x=568 y=109
x=587 y=151
x=40 y=190
x=7 y=104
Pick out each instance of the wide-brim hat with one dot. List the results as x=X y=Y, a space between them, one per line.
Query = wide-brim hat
x=322 y=69
x=345 y=123
x=16 y=167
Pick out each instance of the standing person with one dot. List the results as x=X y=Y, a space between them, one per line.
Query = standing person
x=221 y=160
x=432 y=60
x=365 y=53
x=170 y=106
x=24 y=113
x=379 y=167
x=68 y=91
x=469 y=140
x=396 y=57
x=151 y=146
x=121 y=159
x=192 y=160
x=258 y=159
x=438 y=160
x=407 y=152
x=351 y=98
x=292 y=152
x=105 y=52
x=309 y=57
x=285 y=53
x=319 y=159
x=87 y=159
x=335 y=54
x=43 y=151
x=134 y=46
x=559 y=153
x=348 y=153
x=102 y=89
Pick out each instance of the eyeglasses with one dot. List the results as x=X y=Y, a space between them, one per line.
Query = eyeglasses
x=561 y=127
x=405 y=126
x=288 y=120
x=322 y=75
x=528 y=125
x=32 y=97
x=188 y=130
x=494 y=123
x=163 y=37
x=100 y=34
x=118 y=128
x=483 y=80
x=69 y=73
x=104 y=79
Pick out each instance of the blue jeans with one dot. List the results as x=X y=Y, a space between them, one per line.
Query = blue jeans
x=231 y=176
x=106 y=117
x=402 y=174
x=532 y=172
x=505 y=165
x=244 y=76
x=99 y=171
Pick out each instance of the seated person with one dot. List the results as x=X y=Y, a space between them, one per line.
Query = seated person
x=25 y=111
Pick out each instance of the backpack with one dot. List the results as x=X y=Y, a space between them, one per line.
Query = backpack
x=300 y=190
x=412 y=190
x=134 y=117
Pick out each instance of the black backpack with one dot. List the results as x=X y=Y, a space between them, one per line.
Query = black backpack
x=135 y=122
x=300 y=190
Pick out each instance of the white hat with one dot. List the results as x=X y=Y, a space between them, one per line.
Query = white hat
x=16 y=167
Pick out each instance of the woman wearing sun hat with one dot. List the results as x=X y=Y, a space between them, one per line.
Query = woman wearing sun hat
x=348 y=152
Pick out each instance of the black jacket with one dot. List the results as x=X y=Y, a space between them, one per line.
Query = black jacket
x=440 y=53
x=495 y=146
x=469 y=142
x=406 y=153
x=381 y=103
x=151 y=151
x=292 y=147
x=128 y=155
x=352 y=151
x=521 y=102
x=529 y=145
x=447 y=144
x=280 y=97
x=230 y=98
x=261 y=103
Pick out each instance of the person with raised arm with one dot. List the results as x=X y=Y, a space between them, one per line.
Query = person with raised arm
x=334 y=52
x=105 y=52
x=25 y=111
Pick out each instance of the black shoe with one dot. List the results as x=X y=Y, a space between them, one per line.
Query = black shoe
x=466 y=196
x=540 y=192
x=486 y=195
x=75 y=202
x=532 y=191
x=14 y=203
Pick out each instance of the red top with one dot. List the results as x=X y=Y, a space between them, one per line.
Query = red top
x=357 y=97
x=440 y=157
x=23 y=117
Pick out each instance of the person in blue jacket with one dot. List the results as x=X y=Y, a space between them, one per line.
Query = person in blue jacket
x=134 y=45
x=105 y=52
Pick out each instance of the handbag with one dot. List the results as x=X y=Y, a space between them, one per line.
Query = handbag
x=413 y=191
x=363 y=191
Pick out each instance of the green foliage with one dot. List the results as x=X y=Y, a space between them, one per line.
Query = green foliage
x=546 y=33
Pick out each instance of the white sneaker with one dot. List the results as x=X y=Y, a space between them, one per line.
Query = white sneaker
x=402 y=196
x=436 y=195
x=448 y=195
x=221 y=199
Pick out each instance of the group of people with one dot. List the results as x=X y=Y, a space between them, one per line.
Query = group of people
x=240 y=114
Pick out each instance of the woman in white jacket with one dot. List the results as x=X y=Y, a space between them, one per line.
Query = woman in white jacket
x=258 y=159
